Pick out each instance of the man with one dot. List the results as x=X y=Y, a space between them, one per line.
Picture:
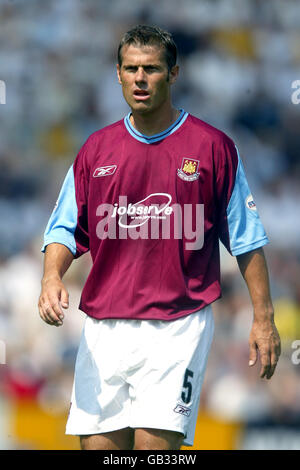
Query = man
x=150 y=196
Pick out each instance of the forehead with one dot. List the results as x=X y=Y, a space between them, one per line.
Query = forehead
x=134 y=54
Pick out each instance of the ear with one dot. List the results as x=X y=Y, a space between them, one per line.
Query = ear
x=119 y=74
x=173 y=74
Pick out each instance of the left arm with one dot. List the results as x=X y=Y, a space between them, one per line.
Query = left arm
x=264 y=335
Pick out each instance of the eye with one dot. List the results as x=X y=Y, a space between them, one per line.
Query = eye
x=151 y=68
x=130 y=69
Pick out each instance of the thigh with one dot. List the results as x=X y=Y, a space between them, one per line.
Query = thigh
x=157 y=439
x=100 y=401
x=122 y=439
x=166 y=391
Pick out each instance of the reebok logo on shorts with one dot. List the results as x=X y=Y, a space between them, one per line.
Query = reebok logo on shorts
x=183 y=410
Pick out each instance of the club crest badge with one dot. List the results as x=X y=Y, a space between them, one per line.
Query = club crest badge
x=250 y=204
x=189 y=169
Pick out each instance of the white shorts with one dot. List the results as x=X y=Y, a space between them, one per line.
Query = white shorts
x=140 y=374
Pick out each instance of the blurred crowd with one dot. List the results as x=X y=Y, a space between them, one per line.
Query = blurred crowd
x=237 y=66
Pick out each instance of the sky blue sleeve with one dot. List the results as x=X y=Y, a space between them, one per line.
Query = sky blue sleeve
x=63 y=220
x=246 y=231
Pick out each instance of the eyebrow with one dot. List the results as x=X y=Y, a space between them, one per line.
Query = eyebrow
x=144 y=66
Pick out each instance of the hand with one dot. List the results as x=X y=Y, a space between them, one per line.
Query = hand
x=53 y=296
x=264 y=337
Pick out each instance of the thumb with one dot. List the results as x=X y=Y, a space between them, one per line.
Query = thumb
x=64 y=298
x=253 y=354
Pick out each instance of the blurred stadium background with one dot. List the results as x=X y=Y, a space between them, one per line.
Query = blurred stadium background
x=238 y=62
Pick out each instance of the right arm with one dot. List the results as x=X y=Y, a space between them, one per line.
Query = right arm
x=66 y=238
x=54 y=295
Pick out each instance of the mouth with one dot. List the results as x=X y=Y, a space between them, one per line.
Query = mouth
x=141 y=95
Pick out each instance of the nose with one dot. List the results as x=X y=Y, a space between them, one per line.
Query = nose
x=140 y=75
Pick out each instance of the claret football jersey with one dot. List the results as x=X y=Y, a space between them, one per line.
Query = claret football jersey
x=151 y=210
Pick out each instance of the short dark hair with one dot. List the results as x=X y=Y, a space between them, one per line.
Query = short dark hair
x=143 y=35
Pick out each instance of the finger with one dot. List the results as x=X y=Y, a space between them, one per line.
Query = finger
x=274 y=360
x=265 y=363
x=51 y=316
x=49 y=313
x=41 y=312
x=64 y=298
x=274 y=356
x=278 y=350
x=46 y=312
x=56 y=310
x=43 y=316
x=252 y=354
x=270 y=372
x=264 y=371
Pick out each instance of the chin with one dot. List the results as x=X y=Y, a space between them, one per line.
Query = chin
x=141 y=107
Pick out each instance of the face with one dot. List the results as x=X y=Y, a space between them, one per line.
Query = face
x=145 y=78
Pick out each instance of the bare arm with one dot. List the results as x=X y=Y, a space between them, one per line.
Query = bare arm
x=264 y=335
x=54 y=295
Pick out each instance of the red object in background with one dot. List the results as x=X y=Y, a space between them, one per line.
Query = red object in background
x=21 y=385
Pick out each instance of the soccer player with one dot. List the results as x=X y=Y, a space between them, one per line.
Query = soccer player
x=151 y=196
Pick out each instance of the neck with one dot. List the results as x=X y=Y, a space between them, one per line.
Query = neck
x=154 y=122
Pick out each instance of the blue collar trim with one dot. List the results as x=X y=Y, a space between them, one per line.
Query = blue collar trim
x=156 y=137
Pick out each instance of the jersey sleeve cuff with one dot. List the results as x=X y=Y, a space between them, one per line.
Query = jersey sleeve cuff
x=47 y=241
x=252 y=246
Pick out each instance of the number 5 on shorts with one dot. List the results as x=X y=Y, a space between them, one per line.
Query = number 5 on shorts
x=187 y=394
